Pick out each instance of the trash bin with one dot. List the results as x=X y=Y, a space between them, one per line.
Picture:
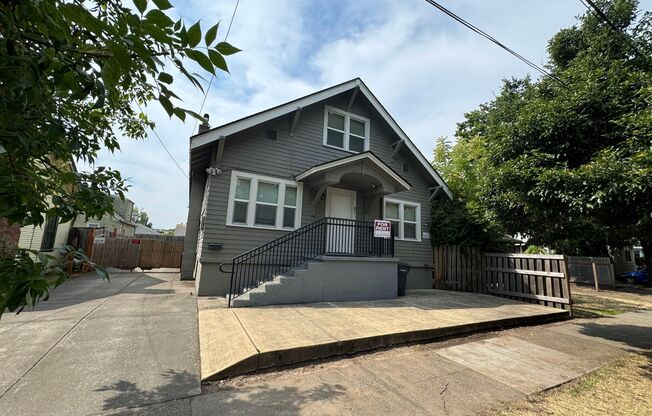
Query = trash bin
x=403 y=270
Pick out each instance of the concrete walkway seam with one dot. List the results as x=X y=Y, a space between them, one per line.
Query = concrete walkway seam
x=64 y=336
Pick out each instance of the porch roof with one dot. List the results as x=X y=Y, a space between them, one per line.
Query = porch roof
x=365 y=163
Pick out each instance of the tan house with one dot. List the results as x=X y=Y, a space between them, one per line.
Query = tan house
x=118 y=224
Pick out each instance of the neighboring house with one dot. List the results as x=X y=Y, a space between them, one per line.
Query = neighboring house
x=117 y=224
x=624 y=259
x=180 y=230
x=145 y=230
x=52 y=234
x=639 y=255
x=334 y=153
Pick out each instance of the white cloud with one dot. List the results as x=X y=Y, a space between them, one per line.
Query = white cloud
x=425 y=68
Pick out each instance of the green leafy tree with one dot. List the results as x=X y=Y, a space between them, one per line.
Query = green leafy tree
x=139 y=216
x=75 y=76
x=570 y=165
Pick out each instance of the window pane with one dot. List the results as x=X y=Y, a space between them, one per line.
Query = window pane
x=288 y=217
x=409 y=230
x=290 y=196
x=357 y=127
x=356 y=144
x=410 y=213
x=335 y=138
x=391 y=211
x=336 y=121
x=265 y=215
x=395 y=228
x=267 y=192
x=240 y=212
x=242 y=189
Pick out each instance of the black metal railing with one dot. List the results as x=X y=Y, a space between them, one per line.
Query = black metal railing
x=326 y=236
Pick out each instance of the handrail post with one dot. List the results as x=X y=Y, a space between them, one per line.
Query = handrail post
x=231 y=284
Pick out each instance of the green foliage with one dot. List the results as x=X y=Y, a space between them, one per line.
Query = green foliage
x=464 y=221
x=75 y=75
x=139 y=216
x=570 y=165
x=28 y=276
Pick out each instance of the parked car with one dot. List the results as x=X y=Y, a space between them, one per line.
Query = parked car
x=640 y=276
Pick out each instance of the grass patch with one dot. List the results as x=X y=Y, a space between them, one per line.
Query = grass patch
x=588 y=306
x=620 y=388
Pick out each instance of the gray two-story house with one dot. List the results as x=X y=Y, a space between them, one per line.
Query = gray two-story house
x=283 y=203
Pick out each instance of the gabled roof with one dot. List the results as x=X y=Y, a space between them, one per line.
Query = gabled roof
x=364 y=156
x=233 y=127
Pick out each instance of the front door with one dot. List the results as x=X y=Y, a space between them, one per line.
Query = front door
x=340 y=203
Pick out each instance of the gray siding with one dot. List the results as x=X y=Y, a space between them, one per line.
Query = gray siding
x=251 y=151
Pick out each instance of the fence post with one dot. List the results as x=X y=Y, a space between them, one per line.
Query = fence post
x=595 y=276
x=568 y=289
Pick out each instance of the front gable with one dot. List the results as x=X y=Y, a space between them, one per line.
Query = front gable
x=327 y=125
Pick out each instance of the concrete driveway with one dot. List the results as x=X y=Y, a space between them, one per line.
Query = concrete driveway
x=98 y=346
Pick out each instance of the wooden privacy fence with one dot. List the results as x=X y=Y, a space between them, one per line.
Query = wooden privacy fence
x=592 y=270
x=534 y=278
x=146 y=252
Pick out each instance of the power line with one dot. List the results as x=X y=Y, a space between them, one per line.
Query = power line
x=594 y=8
x=492 y=39
x=165 y=147
x=228 y=30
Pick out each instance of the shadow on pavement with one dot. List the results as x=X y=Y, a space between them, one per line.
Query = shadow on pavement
x=631 y=335
x=128 y=394
x=128 y=399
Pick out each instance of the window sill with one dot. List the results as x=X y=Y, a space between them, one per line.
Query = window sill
x=343 y=149
x=261 y=227
x=413 y=240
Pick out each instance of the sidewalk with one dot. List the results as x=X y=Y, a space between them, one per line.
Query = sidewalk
x=456 y=377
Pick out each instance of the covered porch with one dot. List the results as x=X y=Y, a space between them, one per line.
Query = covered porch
x=237 y=341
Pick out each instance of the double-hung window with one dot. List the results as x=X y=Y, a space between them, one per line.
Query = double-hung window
x=263 y=202
x=345 y=130
x=405 y=218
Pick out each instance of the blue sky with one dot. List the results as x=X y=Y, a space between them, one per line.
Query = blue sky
x=425 y=68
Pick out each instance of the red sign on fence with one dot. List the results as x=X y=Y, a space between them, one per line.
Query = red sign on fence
x=382 y=229
x=135 y=241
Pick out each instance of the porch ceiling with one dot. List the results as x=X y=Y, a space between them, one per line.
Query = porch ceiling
x=362 y=172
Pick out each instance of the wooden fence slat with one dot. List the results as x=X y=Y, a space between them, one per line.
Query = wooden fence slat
x=541 y=279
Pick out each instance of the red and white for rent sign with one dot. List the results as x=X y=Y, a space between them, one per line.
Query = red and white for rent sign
x=382 y=229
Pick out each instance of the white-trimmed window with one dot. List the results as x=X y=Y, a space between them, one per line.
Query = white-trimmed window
x=345 y=131
x=405 y=218
x=263 y=202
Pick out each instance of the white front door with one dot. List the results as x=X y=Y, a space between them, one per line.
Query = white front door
x=340 y=203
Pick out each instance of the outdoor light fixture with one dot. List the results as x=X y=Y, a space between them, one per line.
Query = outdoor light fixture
x=213 y=171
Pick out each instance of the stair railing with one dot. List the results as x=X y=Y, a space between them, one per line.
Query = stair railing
x=326 y=236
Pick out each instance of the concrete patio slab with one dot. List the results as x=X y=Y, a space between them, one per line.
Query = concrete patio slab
x=261 y=337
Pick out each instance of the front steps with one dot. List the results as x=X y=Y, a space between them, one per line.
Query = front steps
x=328 y=279
x=297 y=286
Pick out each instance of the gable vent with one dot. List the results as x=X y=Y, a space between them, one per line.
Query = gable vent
x=406 y=167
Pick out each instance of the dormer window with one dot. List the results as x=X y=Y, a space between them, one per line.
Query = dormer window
x=345 y=131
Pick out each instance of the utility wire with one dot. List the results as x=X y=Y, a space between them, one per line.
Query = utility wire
x=228 y=30
x=494 y=40
x=202 y=104
x=594 y=8
x=165 y=147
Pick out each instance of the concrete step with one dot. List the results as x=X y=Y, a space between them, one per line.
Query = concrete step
x=289 y=288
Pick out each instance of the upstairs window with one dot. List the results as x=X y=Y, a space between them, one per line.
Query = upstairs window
x=263 y=202
x=405 y=218
x=346 y=131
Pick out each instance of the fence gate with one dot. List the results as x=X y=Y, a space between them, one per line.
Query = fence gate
x=145 y=252
x=541 y=279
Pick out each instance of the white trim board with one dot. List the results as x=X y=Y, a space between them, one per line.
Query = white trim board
x=287 y=108
x=350 y=159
